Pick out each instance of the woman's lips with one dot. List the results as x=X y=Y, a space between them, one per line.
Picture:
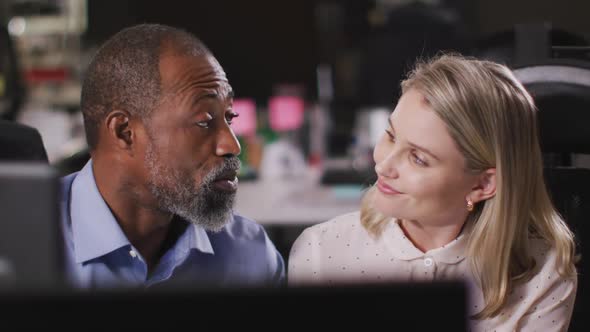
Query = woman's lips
x=386 y=189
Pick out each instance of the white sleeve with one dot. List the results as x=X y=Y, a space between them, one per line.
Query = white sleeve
x=554 y=308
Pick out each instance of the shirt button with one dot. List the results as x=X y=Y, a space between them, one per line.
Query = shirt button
x=428 y=261
x=132 y=253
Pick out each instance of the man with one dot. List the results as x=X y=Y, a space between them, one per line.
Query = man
x=154 y=203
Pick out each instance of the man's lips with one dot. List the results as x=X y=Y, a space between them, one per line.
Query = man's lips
x=226 y=181
x=229 y=175
x=386 y=189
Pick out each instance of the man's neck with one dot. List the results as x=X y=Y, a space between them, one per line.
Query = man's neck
x=145 y=226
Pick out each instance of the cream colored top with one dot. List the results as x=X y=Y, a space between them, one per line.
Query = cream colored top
x=342 y=251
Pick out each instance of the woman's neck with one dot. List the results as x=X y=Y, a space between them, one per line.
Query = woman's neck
x=427 y=237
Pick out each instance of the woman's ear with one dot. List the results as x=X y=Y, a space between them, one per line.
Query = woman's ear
x=485 y=188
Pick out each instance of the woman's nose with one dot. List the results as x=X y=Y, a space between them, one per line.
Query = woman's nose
x=387 y=167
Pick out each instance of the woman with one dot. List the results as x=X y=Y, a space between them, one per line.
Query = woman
x=460 y=195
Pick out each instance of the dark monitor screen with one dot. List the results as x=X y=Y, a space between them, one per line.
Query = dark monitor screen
x=438 y=306
x=30 y=254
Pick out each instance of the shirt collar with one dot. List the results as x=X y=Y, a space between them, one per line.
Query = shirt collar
x=95 y=230
x=199 y=239
x=402 y=248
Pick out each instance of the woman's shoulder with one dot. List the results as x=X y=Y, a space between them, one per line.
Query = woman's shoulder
x=546 y=257
x=341 y=224
x=542 y=251
x=345 y=226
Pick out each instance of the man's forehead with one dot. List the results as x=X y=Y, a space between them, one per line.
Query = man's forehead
x=214 y=64
x=179 y=71
x=204 y=63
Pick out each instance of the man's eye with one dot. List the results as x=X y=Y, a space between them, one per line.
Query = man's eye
x=230 y=117
x=205 y=121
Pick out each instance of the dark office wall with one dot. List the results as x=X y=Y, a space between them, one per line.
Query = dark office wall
x=259 y=42
x=570 y=15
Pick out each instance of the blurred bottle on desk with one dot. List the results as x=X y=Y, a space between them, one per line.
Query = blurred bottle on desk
x=357 y=168
x=284 y=158
x=319 y=119
x=370 y=125
x=245 y=126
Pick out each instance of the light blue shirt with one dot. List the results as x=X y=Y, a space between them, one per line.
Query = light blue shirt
x=99 y=255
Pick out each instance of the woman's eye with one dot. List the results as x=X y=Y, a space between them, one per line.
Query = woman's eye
x=419 y=160
x=203 y=124
x=391 y=135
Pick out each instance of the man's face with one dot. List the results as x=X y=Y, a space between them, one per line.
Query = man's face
x=191 y=152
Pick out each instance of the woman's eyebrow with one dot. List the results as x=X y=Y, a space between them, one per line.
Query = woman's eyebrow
x=414 y=144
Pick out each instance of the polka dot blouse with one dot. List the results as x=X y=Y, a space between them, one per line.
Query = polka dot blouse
x=341 y=251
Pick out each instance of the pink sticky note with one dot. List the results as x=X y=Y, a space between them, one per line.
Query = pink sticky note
x=245 y=124
x=285 y=113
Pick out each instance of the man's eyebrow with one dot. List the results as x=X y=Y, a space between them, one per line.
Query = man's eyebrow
x=213 y=94
x=205 y=95
x=415 y=145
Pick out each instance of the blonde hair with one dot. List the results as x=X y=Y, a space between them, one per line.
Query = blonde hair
x=492 y=120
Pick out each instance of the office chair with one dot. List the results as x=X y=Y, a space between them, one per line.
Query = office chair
x=12 y=90
x=19 y=142
x=569 y=188
x=561 y=90
x=507 y=47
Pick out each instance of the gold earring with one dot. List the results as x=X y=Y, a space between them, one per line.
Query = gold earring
x=469 y=205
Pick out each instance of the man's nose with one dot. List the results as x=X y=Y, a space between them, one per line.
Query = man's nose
x=227 y=143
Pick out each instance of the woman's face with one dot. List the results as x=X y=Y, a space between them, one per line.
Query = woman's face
x=421 y=172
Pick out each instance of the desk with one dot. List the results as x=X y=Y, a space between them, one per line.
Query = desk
x=285 y=207
x=295 y=202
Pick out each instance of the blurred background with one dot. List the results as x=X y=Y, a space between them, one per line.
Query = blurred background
x=314 y=80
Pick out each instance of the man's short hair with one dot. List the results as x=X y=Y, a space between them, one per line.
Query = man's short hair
x=124 y=74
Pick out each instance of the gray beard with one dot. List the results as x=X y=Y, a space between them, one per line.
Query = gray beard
x=175 y=192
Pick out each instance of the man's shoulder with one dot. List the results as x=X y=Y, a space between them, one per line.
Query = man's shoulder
x=244 y=239
x=68 y=179
x=246 y=242
x=241 y=227
x=66 y=184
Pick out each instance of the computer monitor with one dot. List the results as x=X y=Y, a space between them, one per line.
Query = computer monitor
x=30 y=241
x=429 y=306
